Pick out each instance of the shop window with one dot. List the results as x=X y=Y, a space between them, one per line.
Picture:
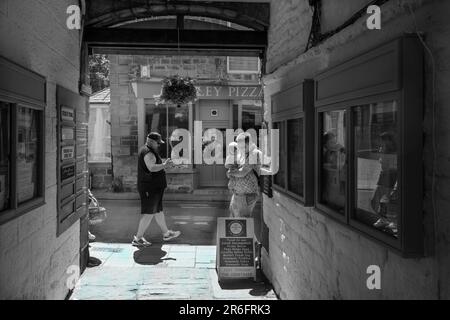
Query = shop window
x=28 y=157
x=165 y=120
x=370 y=144
x=293 y=116
x=333 y=168
x=21 y=182
x=295 y=156
x=5 y=155
x=22 y=138
x=376 y=191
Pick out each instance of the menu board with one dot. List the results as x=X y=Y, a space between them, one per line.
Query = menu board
x=236 y=249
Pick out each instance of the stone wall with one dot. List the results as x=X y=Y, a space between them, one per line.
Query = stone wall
x=124 y=132
x=311 y=255
x=100 y=174
x=33 y=261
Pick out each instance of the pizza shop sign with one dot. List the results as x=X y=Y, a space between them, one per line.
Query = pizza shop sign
x=230 y=92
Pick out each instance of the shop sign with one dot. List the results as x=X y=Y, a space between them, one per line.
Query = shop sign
x=230 y=92
x=236 y=250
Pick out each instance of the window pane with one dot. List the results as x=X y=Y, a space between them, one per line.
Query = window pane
x=5 y=149
x=28 y=144
x=376 y=148
x=178 y=119
x=279 y=178
x=156 y=120
x=295 y=156
x=333 y=160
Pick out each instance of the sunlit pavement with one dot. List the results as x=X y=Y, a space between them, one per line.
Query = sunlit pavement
x=181 y=269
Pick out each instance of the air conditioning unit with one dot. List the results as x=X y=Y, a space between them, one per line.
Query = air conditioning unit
x=243 y=65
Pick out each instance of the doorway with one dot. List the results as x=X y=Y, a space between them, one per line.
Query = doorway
x=214 y=114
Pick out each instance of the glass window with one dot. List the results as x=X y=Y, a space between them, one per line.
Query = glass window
x=165 y=120
x=178 y=119
x=333 y=167
x=28 y=149
x=280 y=177
x=5 y=149
x=252 y=118
x=376 y=152
x=295 y=155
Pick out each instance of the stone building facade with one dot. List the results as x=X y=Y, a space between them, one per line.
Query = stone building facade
x=131 y=87
x=34 y=259
x=310 y=255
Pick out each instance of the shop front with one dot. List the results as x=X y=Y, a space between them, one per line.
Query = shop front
x=218 y=107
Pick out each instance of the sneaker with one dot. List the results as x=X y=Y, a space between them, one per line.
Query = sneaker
x=140 y=242
x=381 y=223
x=171 y=235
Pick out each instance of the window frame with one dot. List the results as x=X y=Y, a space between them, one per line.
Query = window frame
x=400 y=79
x=303 y=108
x=243 y=71
x=15 y=209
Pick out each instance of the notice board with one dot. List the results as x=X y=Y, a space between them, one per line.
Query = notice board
x=235 y=248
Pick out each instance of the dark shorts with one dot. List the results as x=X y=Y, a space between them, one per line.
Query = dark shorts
x=151 y=201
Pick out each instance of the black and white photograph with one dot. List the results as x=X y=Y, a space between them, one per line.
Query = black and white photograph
x=245 y=152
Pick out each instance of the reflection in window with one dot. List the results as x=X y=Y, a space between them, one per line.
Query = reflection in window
x=376 y=147
x=333 y=160
x=5 y=149
x=279 y=178
x=165 y=120
x=295 y=156
x=28 y=145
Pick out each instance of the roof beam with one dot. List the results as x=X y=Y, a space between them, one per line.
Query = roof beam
x=168 y=39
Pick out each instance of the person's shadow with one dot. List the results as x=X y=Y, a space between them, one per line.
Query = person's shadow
x=152 y=255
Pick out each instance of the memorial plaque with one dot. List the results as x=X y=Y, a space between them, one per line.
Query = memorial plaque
x=236 y=248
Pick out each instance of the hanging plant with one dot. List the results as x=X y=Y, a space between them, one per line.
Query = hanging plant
x=178 y=90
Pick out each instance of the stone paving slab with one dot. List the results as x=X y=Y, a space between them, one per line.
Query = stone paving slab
x=161 y=272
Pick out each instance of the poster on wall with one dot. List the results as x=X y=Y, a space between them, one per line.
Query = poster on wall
x=236 y=249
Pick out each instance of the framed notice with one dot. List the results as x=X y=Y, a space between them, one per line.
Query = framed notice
x=67 y=114
x=236 y=248
x=67 y=134
x=67 y=152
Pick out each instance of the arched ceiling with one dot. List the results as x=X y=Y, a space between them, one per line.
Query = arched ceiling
x=107 y=13
x=124 y=26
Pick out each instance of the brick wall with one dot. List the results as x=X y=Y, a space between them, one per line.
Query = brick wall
x=33 y=261
x=312 y=256
x=124 y=132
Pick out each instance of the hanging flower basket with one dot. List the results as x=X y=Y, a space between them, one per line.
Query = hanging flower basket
x=178 y=90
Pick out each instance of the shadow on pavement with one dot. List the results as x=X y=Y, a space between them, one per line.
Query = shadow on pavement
x=150 y=256
x=257 y=289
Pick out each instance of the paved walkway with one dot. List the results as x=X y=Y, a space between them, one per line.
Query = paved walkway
x=183 y=269
x=161 y=272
